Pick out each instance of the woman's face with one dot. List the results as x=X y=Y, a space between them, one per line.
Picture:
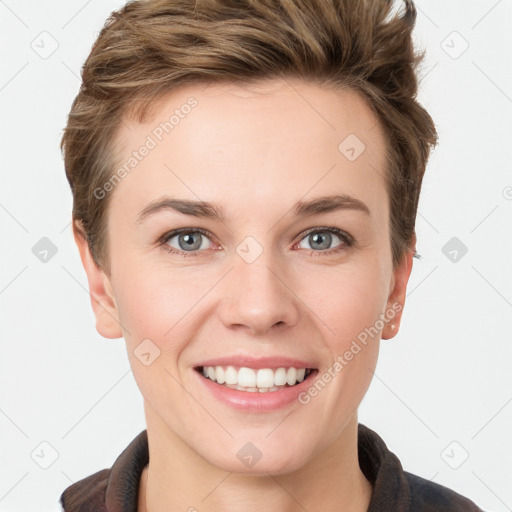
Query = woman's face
x=271 y=278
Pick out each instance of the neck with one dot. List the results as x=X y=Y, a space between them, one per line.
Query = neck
x=177 y=478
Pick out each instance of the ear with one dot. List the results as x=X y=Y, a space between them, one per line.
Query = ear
x=100 y=288
x=396 y=299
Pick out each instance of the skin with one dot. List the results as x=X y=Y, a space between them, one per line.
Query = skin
x=256 y=149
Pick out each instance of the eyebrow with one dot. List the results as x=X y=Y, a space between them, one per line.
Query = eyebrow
x=204 y=209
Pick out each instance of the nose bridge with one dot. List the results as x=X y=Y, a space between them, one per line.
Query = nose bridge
x=258 y=296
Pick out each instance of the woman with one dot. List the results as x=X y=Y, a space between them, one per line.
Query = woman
x=246 y=178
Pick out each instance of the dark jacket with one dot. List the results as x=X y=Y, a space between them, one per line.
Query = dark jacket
x=394 y=490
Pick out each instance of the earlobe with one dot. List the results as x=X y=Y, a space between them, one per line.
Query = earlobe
x=100 y=289
x=396 y=299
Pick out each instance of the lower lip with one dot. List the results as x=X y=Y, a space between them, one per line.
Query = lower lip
x=256 y=401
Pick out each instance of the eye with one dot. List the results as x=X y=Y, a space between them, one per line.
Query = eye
x=320 y=239
x=191 y=241
x=188 y=242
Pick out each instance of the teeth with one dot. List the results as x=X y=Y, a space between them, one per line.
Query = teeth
x=291 y=376
x=262 y=380
x=280 y=377
x=221 y=376
x=246 y=377
x=231 y=375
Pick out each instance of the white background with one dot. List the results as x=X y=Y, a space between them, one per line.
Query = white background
x=443 y=386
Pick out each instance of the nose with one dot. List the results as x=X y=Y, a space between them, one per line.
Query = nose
x=258 y=296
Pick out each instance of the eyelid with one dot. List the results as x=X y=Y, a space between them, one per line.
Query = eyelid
x=175 y=232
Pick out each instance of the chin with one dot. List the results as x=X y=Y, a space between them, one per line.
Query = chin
x=250 y=460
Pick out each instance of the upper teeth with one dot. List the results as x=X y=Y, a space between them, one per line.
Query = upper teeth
x=250 y=378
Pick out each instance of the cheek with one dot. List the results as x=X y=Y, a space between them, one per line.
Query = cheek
x=347 y=301
x=155 y=318
x=159 y=306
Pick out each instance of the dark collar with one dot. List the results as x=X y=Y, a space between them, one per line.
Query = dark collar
x=116 y=489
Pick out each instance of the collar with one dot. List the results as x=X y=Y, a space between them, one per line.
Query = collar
x=116 y=489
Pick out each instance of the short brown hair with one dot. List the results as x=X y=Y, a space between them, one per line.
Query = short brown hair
x=151 y=47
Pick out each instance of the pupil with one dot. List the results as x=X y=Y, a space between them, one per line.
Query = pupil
x=326 y=236
x=188 y=239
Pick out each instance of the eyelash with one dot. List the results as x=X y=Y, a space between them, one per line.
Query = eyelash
x=348 y=241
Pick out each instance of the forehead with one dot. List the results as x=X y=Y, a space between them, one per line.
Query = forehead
x=252 y=143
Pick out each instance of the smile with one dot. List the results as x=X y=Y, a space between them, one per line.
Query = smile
x=260 y=380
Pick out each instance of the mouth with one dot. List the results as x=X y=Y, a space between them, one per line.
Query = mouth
x=256 y=380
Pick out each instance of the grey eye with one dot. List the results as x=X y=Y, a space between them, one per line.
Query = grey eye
x=189 y=241
x=320 y=240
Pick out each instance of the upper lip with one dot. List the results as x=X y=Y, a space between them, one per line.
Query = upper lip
x=257 y=362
